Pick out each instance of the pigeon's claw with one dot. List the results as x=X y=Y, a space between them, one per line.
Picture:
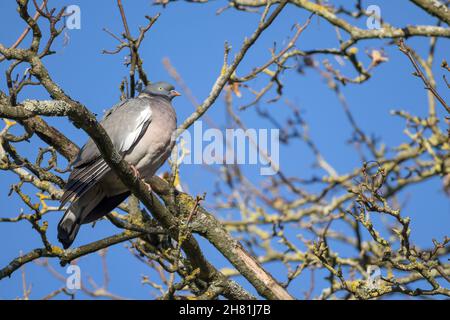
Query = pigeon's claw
x=149 y=187
x=138 y=175
x=136 y=172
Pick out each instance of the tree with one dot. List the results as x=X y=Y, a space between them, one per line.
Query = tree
x=286 y=219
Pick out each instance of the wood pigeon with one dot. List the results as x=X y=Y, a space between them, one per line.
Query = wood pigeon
x=141 y=129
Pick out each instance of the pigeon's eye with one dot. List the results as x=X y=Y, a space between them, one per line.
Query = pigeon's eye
x=160 y=89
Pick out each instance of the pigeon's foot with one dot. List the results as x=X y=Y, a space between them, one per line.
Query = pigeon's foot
x=138 y=175
x=149 y=187
x=136 y=172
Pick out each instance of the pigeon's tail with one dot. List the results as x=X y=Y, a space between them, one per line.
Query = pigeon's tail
x=68 y=228
x=91 y=206
x=77 y=214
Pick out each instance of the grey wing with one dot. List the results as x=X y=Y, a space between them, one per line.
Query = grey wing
x=89 y=152
x=125 y=124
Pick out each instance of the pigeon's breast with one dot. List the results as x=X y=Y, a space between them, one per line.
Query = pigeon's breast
x=155 y=145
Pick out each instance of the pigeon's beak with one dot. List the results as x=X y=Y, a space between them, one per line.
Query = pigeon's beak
x=174 y=93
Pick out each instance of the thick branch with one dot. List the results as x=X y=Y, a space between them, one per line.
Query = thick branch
x=209 y=227
x=435 y=8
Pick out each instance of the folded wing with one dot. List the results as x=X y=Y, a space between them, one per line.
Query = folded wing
x=125 y=124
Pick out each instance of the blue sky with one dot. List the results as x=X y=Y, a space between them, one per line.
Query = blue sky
x=192 y=36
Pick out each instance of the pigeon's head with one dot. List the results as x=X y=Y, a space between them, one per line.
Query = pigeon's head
x=163 y=89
